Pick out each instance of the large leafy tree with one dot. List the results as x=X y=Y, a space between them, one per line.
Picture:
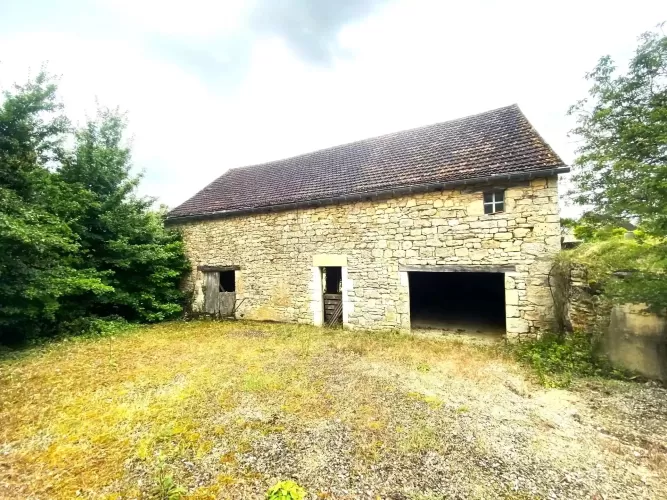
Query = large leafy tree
x=118 y=233
x=621 y=169
x=621 y=174
x=39 y=252
x=75 y=241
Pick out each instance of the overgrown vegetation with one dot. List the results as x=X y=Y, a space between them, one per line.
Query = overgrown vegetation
x=286 y=490
x=621 y=175
x=77 y=245
x=624 y=267
x=556 y=359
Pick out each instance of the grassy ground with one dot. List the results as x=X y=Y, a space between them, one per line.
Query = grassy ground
x=224 y=410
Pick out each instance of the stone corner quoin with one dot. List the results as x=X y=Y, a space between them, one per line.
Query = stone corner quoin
x=276 y=252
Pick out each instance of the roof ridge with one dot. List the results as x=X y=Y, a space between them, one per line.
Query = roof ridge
x=381 y=136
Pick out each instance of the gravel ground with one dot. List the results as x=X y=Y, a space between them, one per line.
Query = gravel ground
x=228 y=410
x=502 y=438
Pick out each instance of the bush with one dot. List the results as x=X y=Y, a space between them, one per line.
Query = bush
x=93 y=326
x=286 y=490
x=76 y=240
x=559 y=358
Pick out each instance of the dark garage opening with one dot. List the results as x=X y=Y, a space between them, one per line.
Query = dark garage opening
x=470 y=302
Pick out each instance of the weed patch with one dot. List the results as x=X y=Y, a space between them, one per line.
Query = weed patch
x=557 y=359
x=166 y=488
x=286 y=490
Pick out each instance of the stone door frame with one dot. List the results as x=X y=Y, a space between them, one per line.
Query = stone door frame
x=317 y=301
x=508 y=270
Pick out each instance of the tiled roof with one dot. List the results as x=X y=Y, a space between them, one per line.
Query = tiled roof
x=494 y=143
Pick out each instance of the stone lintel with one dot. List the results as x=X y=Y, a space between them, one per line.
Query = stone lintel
x=328 y=260
x=212 y=269
x=461 y=269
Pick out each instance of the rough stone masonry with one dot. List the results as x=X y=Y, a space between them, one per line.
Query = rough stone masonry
x=279 y=253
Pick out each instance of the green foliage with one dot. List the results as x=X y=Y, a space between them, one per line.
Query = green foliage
x=166 y=488
x=594 y=227
x=39 y=251
x=625 y=270
x=286 y=490
x=621 y=170
x=119 y=234
x=558 y=358
x=92 y=326
x=75 y=241
x=621 y=173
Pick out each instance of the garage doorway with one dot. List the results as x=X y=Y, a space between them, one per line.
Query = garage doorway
x=462 y=302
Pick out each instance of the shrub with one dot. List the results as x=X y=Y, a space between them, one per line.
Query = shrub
x=286 y=490
x=558 y=358
x=93 y=326
x=76 y=240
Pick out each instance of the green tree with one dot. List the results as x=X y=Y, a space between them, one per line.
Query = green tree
x=118 y=232
x=76 y=243
x=38 y=249
x=621 y=168
x=621 y=174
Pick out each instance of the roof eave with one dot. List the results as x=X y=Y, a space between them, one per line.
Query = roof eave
x=368 y=195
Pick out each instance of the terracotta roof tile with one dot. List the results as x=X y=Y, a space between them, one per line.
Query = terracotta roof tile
x=496 y=142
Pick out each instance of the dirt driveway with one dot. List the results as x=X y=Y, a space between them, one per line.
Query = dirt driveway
x=228 y=409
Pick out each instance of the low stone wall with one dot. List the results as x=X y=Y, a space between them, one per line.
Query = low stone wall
x=637 y=340
x=631 y=337
x=585 y=310
x=278 y=253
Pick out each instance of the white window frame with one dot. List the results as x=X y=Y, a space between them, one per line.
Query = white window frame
x=494 y=203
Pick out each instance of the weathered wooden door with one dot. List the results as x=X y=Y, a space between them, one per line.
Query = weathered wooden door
x=212 y=293
x=333 y=309
x=217 y=302
x=227 y=301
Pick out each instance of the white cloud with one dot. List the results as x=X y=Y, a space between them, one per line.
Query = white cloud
x=412 y=63
x=194 y=18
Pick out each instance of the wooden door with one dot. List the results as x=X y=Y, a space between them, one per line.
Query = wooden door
x=227 y=301
x=333 y=309
x=212 y=293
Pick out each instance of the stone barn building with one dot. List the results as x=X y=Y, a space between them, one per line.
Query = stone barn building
x=453 y=225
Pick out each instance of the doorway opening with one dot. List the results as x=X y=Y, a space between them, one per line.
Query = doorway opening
x=464 y=302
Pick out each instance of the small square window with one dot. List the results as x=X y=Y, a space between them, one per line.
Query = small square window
x=494 y=201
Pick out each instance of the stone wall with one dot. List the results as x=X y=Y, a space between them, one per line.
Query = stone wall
x=631 y=337
x=636 y=340
x=584 y=310
x=278 y=253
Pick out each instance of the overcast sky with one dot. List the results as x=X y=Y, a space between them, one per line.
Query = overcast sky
x=210 y=85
